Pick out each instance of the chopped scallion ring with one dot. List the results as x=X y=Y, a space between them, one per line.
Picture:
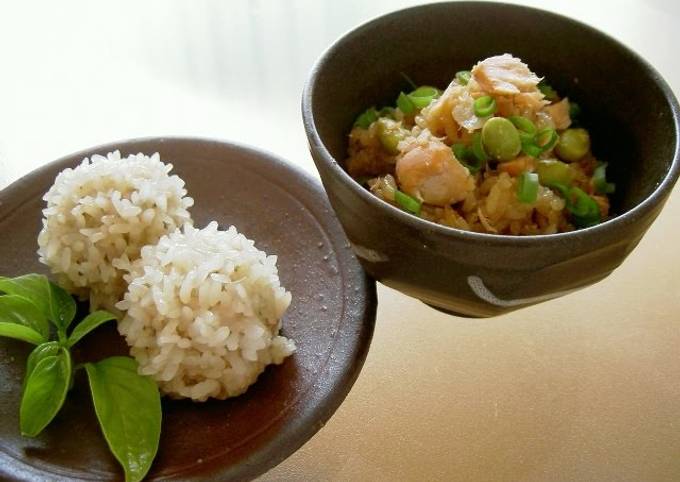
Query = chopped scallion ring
x=460 y=151
x=463 y=77
x=423 y=96
x=583 y=208
x=405 y=104
x=538 y=143
x=366 y=118
x=547 y=90
x=546 y=139
x=484 y=106
x=478 y=149
x=600 y=180
x=527 y=187
x=467 y=158
x=407 y=203
x=523 y=125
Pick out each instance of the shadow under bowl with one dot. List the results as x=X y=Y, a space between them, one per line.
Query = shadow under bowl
x=628 y=108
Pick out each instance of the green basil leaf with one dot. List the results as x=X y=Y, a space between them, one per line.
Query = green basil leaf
x=40 y=352
x=55 y=303
x=21 y=332
x=89 y=323
x=44 y=392
x=62 y=306
x=22 y=311
x=32 y=287
x=128 y=408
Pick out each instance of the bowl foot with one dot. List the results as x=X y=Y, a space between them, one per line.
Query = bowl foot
x=452 y=313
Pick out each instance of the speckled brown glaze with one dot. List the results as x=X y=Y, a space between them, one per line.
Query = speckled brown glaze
x=629 y=109
x=331 y=320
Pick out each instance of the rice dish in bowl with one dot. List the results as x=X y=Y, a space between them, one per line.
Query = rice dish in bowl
x=498 y=152
x=102 y=213
x=203 y=313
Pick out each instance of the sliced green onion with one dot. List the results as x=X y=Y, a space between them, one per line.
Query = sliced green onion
x=405 y=104
x=473 y=164
x=421 y=102
x=584 y=210
x=527 y=131
x=529 y=147
x=387 y=112
x=600 y=180
x=546 y=138
x=484 y=106
x=542 y=141
x=426 y=91
x=527 y=187
x=563 y=189
x=460 y=151
x=366 y=118
x=574 y=110
x=478 y=149
x=423 y=95
x=524 y=125
x=547 y=90
x=390 y=134
x=467 y=158
x=407 y=203
x=463 y=77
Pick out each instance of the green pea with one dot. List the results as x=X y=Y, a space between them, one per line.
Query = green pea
x=551 y=171
x=501 y=139
x=390 y=134
x=573 y=145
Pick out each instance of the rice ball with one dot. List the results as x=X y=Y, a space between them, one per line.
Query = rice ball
x=100 y=214
x=203 y=313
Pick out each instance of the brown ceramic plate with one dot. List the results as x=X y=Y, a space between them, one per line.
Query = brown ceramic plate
x=331 y=320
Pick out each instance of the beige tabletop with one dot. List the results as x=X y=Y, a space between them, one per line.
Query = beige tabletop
x=586 y=387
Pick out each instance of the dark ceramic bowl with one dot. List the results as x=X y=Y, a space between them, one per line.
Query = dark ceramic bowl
x=629 y=109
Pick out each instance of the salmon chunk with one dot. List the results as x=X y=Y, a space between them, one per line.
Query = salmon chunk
x=559 y=113
x=504 y=75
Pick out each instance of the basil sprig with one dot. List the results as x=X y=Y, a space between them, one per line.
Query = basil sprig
x=128 y=408
x=127 y=404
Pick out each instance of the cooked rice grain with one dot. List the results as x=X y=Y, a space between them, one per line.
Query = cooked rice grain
x=100 y=214
x=203 y=313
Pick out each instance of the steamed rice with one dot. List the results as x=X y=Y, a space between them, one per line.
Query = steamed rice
x=203 y=313
x=101 y=214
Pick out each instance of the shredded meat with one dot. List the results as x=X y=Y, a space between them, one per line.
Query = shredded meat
x=504 y=75
x=559 y=112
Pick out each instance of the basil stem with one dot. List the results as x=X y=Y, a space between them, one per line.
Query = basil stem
x=89 y=323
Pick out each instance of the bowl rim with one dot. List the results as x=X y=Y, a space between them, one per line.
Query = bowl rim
x=656 y=197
